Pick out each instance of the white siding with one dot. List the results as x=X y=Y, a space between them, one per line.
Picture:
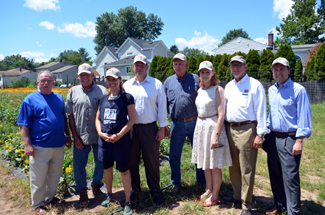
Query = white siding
x=106 y=57
x=130 y=47
x=69 y=75
x=160 y=50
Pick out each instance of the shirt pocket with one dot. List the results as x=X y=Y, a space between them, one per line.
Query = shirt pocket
x=244 y=100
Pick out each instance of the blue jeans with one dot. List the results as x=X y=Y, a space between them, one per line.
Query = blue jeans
x=179 y=131
x=80 y=159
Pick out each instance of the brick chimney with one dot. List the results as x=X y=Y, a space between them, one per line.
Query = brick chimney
x=20 y=68
x=270 y=39
x=60 y=60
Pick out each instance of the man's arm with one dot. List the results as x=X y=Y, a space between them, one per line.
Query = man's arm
x=77 y=140
x=24 y=131
x=162 y=113
x=67 y=133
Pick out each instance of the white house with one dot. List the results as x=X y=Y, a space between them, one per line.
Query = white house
x=15 y=75
x=122 y=57
x=244 y=45
x=62 y=70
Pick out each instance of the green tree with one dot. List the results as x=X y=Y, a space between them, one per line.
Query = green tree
x=153 y=66
x=265 y=70
x=15 y=61
x=303 y=25
x=84 y=54
x=199 y=60
x=232 y=34
x=113 y=30
x=310 y=69
x=223 y=72
x=320 y=63
x=285 y=51
x=193 y=52
x=253 y=63
x=216 y=61
x=192 y=62
x=75 y=57
x=174 y=49
x=298 y=71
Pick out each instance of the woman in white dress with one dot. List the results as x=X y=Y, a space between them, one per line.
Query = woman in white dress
x=210 y=145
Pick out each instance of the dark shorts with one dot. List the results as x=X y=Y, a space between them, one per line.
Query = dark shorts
x=122 y=167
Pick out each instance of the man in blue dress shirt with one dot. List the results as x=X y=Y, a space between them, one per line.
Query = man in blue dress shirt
x=181 y=91
x=290 y=122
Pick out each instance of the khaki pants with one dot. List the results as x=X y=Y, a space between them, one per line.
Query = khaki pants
x=242 y=172
x=45 y=172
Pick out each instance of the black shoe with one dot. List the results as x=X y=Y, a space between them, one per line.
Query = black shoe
x=135 y=193
x=158 y=200
x=231 y=200
x=246 y=212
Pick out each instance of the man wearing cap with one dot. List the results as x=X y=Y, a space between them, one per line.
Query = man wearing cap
x=290 y=122
x=246 y=125
x=150 y=107
x=181 y=91
x=82 y=105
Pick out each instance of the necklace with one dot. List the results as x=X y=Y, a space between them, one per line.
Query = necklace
x=206 y=88
x=113 y=97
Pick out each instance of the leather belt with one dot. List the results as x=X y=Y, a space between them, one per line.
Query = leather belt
x=237 y=124
x=201 y=117
x=283 y=134
x=188 y=119
x=142 y=124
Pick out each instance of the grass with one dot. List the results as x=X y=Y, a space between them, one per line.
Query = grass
x=312 y=171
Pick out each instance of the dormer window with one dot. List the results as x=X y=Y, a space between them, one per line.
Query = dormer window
x=129 y=53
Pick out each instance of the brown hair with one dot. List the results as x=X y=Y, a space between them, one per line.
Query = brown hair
x=214 y=80
x=121 y=85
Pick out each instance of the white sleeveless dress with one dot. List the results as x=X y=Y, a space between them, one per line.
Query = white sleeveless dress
x=202 y=154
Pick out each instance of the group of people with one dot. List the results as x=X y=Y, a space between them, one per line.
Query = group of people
x=225 y=127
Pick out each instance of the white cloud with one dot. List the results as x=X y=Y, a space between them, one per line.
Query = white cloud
x=29 y=54
x=206 y=43
x=47 y=25
x=37 y=43
x=40 y=60
x=2 y=56
x=79 y=30
x=52 y=55
x=261 y=40
x=282 y=8
x=40 y=5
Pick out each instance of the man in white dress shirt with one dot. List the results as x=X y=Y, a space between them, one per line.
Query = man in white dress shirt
x=150 y=106
x=246 y=125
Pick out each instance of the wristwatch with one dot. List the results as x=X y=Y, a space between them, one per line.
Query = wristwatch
x=217 y=134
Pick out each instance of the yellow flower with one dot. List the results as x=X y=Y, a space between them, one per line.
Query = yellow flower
x=6 y=142
x=63 y=167
x=18 y=133
x=68 y=169
x=10 y=150
x=0 y=140
x=21 y=143
x=17 y=137
x=0 y=125
x=6 y=146
x=23 y=154
x=26 y=161
x=10 y=147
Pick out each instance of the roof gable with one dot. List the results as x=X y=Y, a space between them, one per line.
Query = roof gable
x=14 y=72
x=110 y=49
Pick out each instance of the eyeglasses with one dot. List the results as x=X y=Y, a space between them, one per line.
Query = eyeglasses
x=238 y=65
x=44 y=81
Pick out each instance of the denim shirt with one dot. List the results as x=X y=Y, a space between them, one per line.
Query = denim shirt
x=181 y=95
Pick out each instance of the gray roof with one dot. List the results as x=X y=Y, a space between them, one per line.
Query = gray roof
x=113 y=50
x=121 y=62
x=239 y=44
x=145 y=44
x=13 y=72
x=64 y=68
x=49 y=65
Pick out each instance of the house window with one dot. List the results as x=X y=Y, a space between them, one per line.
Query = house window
x=128 y=70
x=129 y=53
x=58 y=76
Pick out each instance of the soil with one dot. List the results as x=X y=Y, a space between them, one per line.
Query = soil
x=8 y=207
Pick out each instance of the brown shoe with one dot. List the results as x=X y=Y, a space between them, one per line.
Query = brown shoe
x=274 y=211
x=57 y=202
x=176 y=189
x=41 y=210
x=83 y=199
x=99 y=195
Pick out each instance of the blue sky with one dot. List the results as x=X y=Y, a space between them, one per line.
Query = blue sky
x=41 y=29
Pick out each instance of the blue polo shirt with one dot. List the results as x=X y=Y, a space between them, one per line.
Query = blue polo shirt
x=289 y=109
x=181 y=95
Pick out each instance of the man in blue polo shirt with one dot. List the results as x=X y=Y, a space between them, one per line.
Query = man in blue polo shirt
x=181 y=91
x=43 y=122
x=290 y=122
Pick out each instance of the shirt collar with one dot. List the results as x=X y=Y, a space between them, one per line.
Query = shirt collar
x=243 y=80
x=285 y=85
x=92 y=87
x=183 y=78
x=147 y=79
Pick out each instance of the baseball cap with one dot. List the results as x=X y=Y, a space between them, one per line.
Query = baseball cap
x=85 y=67
x=238 y=58
x=281 y=60
x=206 y=65
x=180 y=56
x=113 y=72
x=140 y=58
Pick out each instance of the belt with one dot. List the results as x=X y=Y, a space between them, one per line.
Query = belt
x=283 y=134
x=201 y=117
x=188 y=119
x=237 y=124
x=142 y=124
